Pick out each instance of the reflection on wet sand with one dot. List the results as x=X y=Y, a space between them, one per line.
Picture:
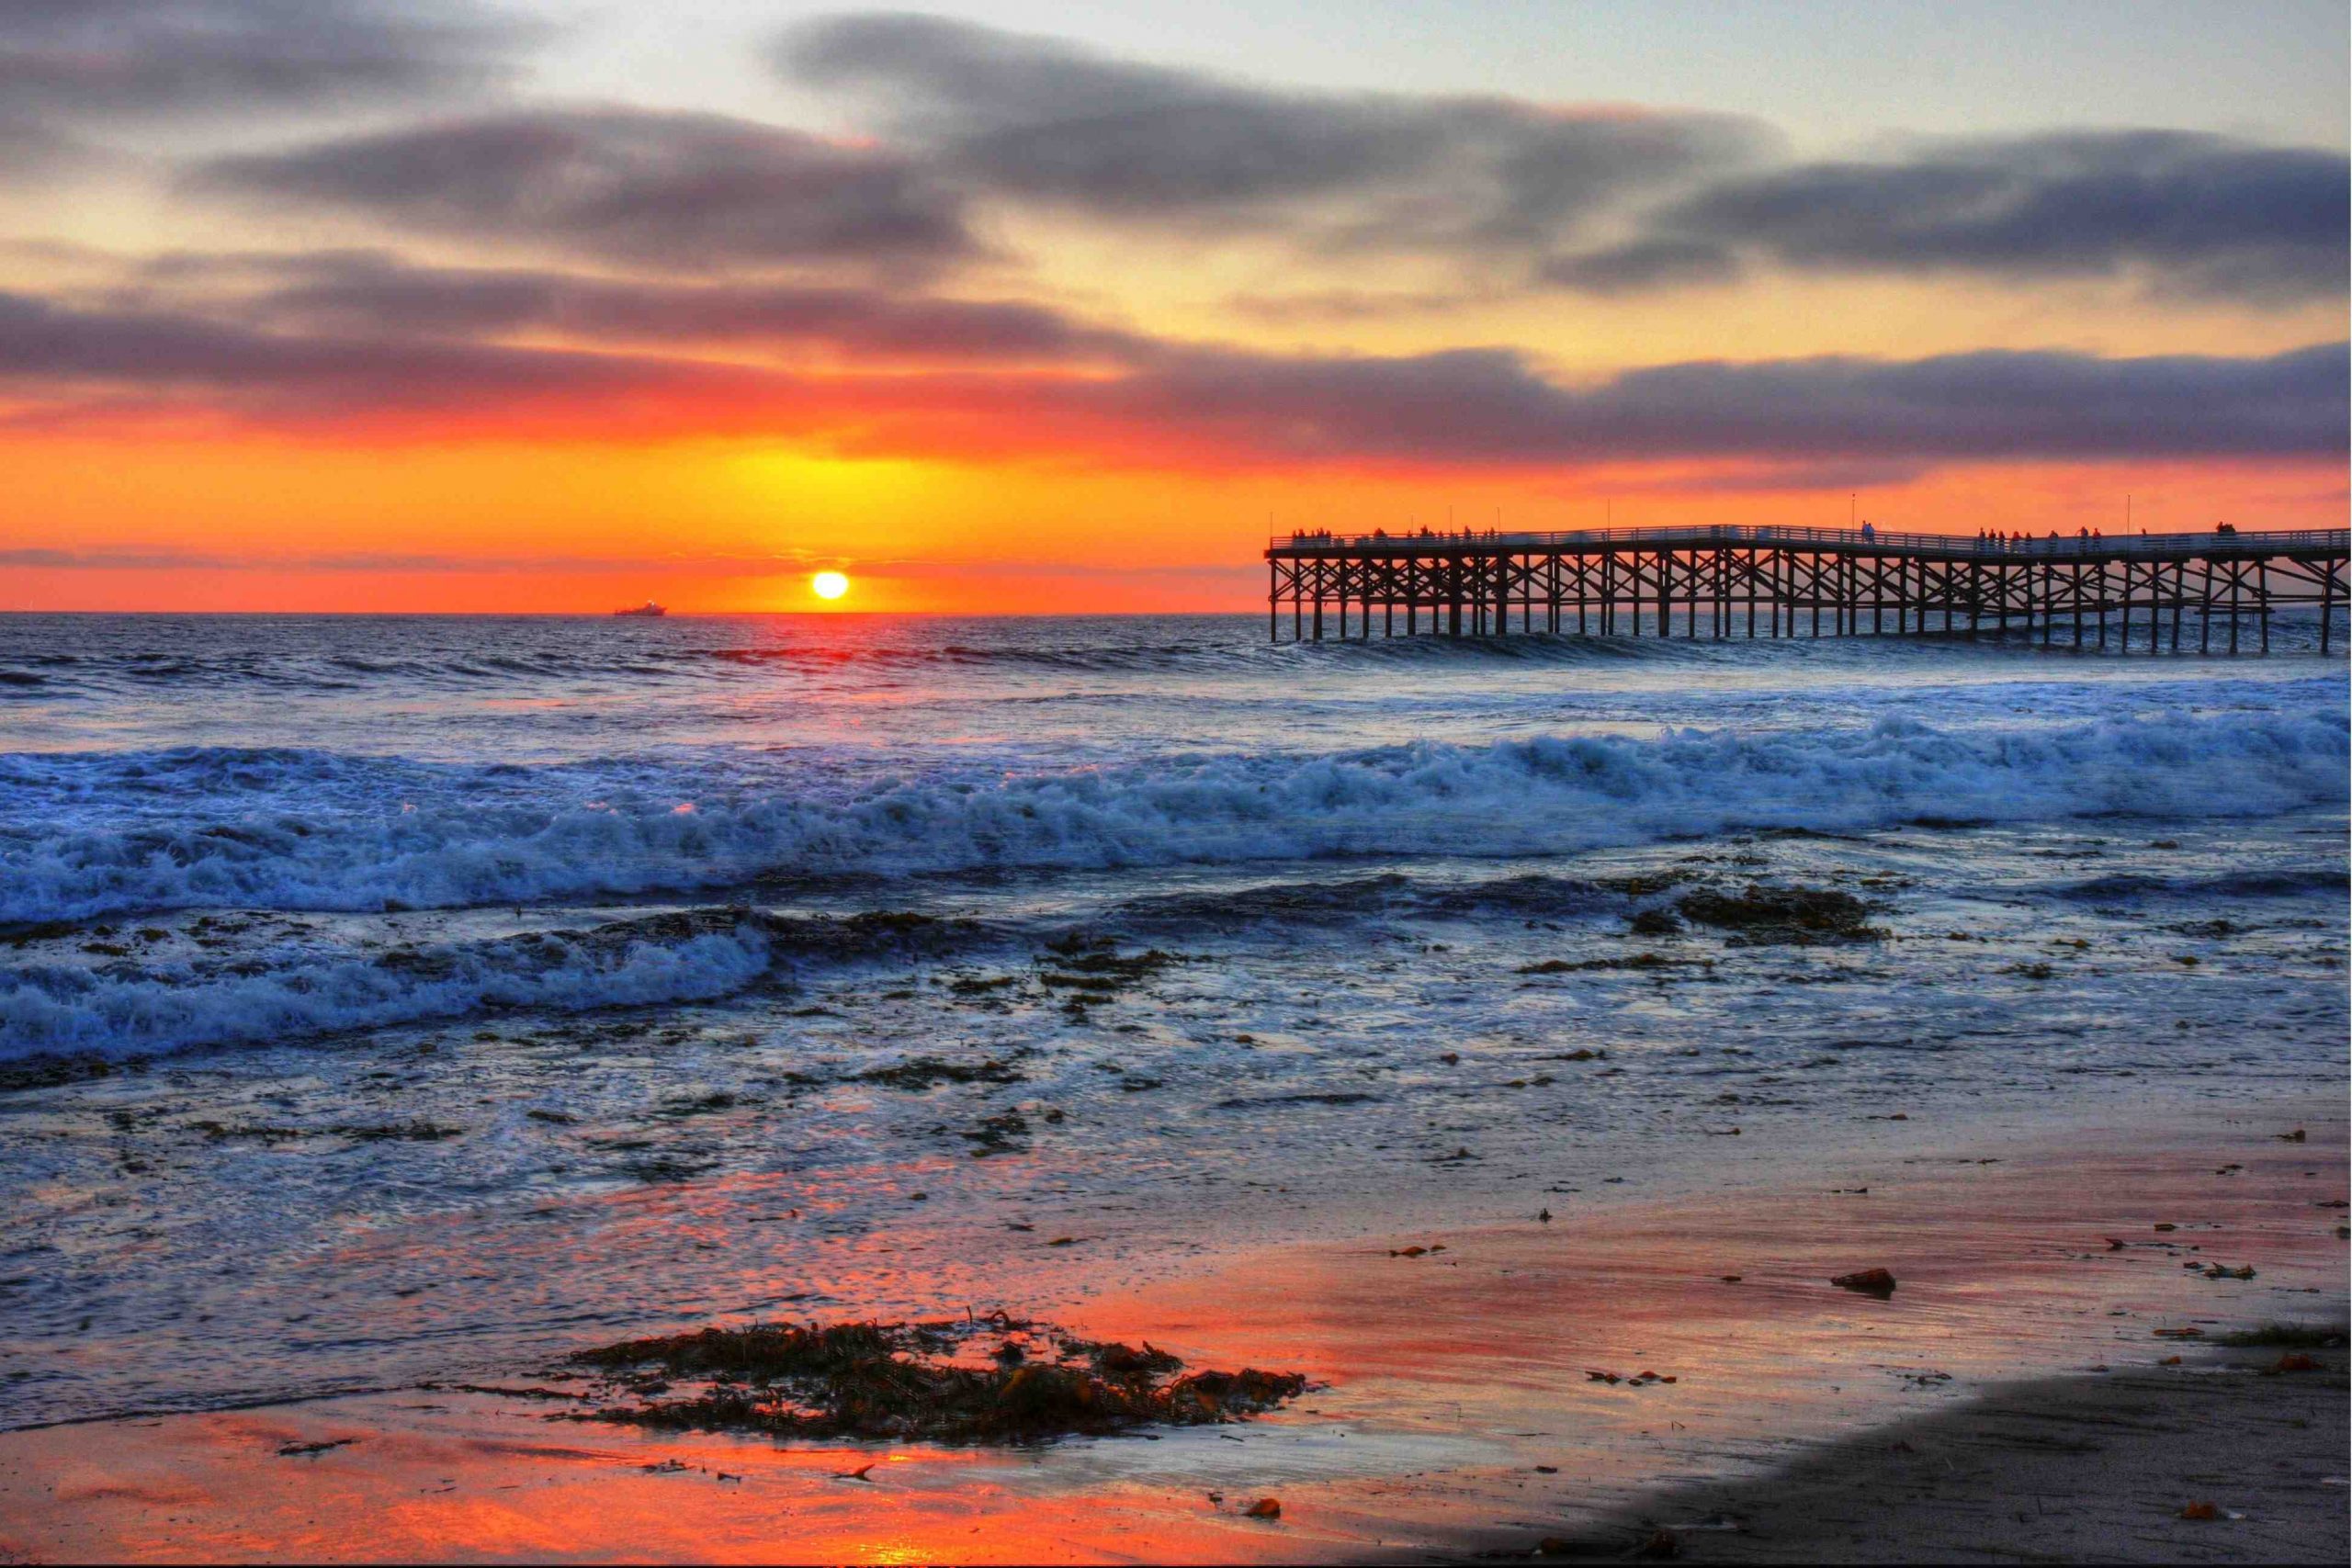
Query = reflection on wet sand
x=1456 y=1409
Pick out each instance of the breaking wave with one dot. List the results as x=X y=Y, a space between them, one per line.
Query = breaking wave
x=298 y=989
x=90 y=836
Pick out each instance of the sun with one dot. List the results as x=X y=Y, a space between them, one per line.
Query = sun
x=829 y=584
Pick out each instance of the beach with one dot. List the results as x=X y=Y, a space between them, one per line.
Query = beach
x=1511 y=1041
x=2025 y=1364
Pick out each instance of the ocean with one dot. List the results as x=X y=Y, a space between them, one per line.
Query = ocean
x=396 y=998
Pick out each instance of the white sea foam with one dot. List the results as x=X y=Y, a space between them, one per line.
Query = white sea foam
x=300 y=832
x=63 y=1009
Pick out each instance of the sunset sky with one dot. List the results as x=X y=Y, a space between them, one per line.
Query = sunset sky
x=432 y=305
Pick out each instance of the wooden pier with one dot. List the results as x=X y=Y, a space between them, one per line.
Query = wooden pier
x=2214 y=592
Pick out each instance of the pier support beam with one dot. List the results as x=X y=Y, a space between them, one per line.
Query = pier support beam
x=1635 y=583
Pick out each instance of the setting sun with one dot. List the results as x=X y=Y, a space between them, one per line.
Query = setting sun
x=829 y=584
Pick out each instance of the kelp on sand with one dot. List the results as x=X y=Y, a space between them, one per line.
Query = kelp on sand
x=931 y=1381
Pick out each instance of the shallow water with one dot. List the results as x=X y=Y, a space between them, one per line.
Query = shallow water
x=475 y=988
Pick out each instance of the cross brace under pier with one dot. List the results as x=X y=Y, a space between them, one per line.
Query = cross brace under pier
x=2215 y=591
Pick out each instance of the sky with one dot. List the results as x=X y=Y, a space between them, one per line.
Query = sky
x=1018 y=307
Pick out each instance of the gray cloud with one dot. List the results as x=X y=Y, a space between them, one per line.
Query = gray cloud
x=1605 y=203
x=1489 y=406
x=33 y=152
x=2194 y=213
x=145 y=58
x=89 y=65
x=1041 y=120
x=1640 y=266
x=1183 y=404
x=675 y=191
x=373 y=294
x=64 y=355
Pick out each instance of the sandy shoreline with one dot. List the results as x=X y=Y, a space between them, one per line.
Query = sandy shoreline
x=2094 y=1468
x=1456 y=1415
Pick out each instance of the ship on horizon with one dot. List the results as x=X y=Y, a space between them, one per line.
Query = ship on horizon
x=648 y=609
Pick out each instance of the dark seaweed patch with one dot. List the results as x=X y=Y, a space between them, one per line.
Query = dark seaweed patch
x=1793 y=915
x=1098 y=967
x=921 y=1382
x=698 y=1105
x=930 y=1072
x=1002 y=1133
x=1633 y=961
x=1269 y=1101
x=20 y=933
x=970 y=986
x=48 y=1071
x=378 y=1133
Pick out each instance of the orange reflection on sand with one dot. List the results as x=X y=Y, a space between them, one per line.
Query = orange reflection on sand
x=1459 y=1403
x=423 y=1480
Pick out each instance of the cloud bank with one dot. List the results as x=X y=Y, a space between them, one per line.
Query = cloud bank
x=79 y=68
x=1606 y=201
x=2198 y=214
x=1173 y=403
x=1038 y=120
x=689 y=192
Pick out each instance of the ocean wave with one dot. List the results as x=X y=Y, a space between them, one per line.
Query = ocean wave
x=571 y=654
x=1390 y=895
x=302 y=989
x=473 y=668
x=294 y=830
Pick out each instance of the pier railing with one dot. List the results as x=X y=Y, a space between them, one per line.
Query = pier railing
x=1738 y=535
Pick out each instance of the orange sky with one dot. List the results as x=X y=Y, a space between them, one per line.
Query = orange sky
x=1075 y=347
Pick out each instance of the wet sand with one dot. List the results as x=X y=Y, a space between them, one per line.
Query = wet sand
x=2080 y=1470
x=1459 y=1414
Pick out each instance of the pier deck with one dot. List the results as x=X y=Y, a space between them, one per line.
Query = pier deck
x=2213 y=590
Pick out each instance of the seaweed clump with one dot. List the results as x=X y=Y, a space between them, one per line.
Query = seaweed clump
x=1636 y=961
x=930 y=1072
x=1800 y=915
x=1091 y=970
x=917 y=1381
x=48 y=1070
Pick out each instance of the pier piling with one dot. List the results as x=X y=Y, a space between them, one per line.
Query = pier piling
x=1615 y=578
